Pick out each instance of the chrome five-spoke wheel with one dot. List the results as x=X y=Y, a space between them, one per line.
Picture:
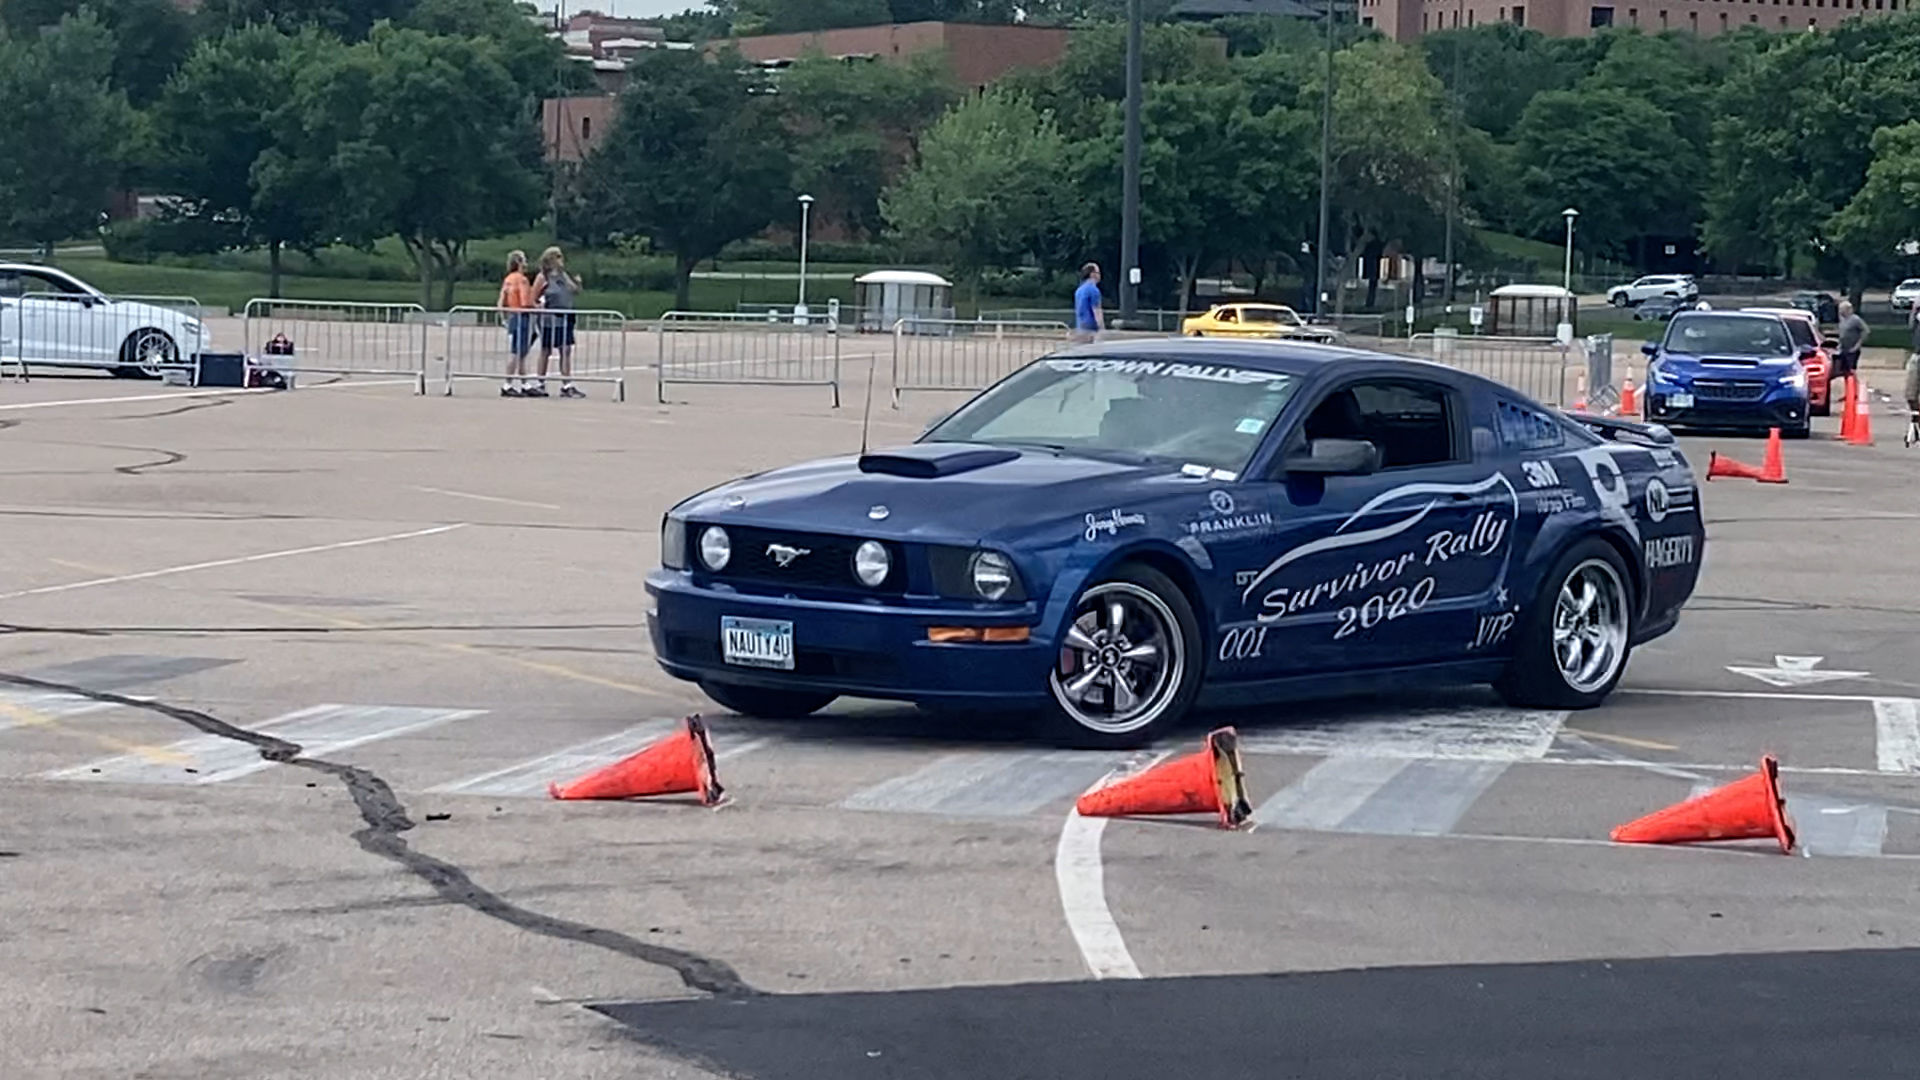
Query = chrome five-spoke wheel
x=1590 y=626
x=1123 y=661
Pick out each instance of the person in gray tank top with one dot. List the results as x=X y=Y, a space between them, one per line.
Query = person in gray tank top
x=555 y=293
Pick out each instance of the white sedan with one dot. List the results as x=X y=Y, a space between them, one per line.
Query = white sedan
x=52 y=319
x=1904 y=295
x=1678 y=286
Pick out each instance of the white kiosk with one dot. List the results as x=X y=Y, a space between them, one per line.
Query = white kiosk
x=887 y=296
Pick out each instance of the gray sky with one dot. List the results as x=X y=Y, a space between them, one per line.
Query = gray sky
x=633 y=9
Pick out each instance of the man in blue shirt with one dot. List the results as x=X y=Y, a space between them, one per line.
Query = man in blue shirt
x=1088 y=318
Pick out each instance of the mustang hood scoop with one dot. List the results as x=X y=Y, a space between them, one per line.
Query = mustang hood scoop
x=928 y=461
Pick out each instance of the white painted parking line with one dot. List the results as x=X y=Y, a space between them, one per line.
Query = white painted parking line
x=1329 y=792
x=319 y=731
x=987 y=783
x=1834 y=827
x=1897 y=723
x=1473 y=734
x=23 y=708
x=241 y=560
x=1427 y=798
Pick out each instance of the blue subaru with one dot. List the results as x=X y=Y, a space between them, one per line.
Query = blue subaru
x=1728 y=370
x=1119 y=533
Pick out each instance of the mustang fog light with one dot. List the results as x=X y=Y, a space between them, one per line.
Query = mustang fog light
x=992 y=574
x=872 y=564
x=715 y=548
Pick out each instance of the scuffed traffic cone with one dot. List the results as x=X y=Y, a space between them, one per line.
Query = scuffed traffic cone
x=1749 y=809
x=1861 y=433
x=680 y=763
x=1723 y=468
x=1210 y=780
x=1773 y=468
x=1629 y=398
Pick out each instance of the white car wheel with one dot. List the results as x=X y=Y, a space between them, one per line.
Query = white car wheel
x=148 y=353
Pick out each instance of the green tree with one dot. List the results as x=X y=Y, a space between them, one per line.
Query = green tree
x=537 y=61
x=66 y=136
x=1885 y=215
x=1491 y=72
x=856 y=126
x=225 y=129
x=423 y=137
x=1389 y=150
x=350 y=19
x=987 y=184
x=1613 y=156
x=701 y=159
x=150 y=37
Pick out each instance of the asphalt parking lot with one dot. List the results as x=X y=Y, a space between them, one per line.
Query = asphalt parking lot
x=439 y=601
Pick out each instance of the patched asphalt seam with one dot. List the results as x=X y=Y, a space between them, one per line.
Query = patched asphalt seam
x=386 y=823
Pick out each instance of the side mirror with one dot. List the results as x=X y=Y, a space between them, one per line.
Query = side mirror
x=1335 y=457
x=1650 y=348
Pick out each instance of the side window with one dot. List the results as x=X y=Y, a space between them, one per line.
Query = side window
x=10 y=285
x=1522 y=428
x=1411 y=422
x=45 y=285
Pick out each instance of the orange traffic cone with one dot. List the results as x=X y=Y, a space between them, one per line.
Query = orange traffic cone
x=679 y=763
x=1846 y=409
x=1861 y=434
x=1773 y=468
x=1629 y=399
x=1210 y=780
x=1749 y=809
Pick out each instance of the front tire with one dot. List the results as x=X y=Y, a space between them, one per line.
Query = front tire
x=1619 y=300
x=764 y=704
x=146 y=353
x=1130 y=663
x=1575 y=643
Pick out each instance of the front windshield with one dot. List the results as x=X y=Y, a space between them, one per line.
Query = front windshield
x=1189 y=414
x=1739 y=335
x=1271 y=315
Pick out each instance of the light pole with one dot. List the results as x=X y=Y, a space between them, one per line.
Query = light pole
x=1566 y=278
x=1130 y=176
x=800 y=309
x=1326 y=177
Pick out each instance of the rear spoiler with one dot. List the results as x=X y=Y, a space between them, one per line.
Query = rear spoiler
x=1616 y=430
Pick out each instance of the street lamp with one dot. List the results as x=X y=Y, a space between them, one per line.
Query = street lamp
x=1326 y=176
x=800 y=309
x=1566 y=278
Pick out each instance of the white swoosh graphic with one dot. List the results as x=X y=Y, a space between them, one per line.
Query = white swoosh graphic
x=1341 y=539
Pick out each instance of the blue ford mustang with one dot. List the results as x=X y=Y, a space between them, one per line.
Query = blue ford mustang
x=1120 y=532
x=1729 y=369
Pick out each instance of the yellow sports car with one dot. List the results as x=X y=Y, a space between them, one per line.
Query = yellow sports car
x=1256 y=321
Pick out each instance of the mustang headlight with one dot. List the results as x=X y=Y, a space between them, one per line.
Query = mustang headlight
x=872 y=564
x=992 y=574
x=673 y=543
x=716 y=547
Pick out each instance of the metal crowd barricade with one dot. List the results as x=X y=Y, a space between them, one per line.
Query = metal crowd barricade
x=1537 y=367
x=148 y=334
x=330 y=337
x=966 y=354
x=479 y=342
x=735 y=349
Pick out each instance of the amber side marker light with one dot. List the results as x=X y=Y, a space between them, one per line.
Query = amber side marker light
x=946 y=634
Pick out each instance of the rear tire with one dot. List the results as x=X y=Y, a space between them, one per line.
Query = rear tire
x=764 y=704
x=1154 y=649
x=140 y=351
x=1619 y=300
x=1574 y=645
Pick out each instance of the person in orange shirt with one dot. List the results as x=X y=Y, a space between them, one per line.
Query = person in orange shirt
x=516 y=302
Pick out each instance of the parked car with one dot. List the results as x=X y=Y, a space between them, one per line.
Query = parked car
x=1806 y=333
x=1727 y=369
x=1678 y=286
x=49 y=318
x=1661 y=308
x=1255 y=321
x=1118 y=533
x=1904 y=295
x=1823 y=306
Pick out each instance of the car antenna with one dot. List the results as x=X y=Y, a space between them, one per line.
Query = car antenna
x=866 y=415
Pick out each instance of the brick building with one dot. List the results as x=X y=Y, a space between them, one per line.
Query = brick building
x=1404 y=20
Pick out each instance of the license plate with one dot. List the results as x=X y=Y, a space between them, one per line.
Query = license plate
x=1680 y=401
x=762 y=643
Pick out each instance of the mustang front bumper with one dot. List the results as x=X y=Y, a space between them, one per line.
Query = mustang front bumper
x=859 y=649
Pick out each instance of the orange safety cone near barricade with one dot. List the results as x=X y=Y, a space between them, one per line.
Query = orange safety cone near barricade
x=678 y=764
x=1209 y=781
x=1629 y=398
x=1749 y=809
x=1846 y=408
x=1861 y=433
x=1771 y=471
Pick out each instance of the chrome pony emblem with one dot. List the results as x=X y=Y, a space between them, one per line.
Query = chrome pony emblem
x=783 y=556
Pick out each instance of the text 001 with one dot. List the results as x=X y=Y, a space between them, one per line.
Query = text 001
x=761 y=643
